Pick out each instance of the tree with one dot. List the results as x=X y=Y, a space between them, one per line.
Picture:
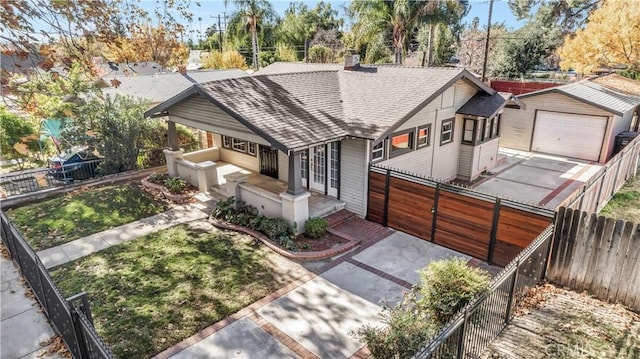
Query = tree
x=231 y=59
x=521 y=51
x=611 y=37
x=321 y=54
x=472 y=44
x=248 y=18
x=444 y=12
x=569 y=15
x=18 y=137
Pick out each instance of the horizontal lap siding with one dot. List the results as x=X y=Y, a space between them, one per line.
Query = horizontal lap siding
x=516 y=230
x=240 y=159
x=410 y=206
x=353 y=175
x=464 y=224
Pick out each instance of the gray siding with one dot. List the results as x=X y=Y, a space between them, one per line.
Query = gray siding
x=465 y=162
x=516 y=129
x=353 y=175
x=199 y=113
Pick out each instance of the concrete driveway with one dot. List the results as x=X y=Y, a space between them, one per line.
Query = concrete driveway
x=537 y=179
x=317 y=318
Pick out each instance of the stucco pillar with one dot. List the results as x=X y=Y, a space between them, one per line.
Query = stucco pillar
x=172 y=136
x=294 y=182
x=233 y=183
x=295 y=209
x=172 y=157
x=207 y=175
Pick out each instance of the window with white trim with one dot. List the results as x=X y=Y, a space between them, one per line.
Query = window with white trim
x=424 y=136
x=377 y=153
x=239 y=145
x=446 y=134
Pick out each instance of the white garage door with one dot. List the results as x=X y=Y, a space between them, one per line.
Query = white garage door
x=577 y=136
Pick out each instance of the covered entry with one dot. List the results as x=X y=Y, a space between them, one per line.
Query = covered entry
x=566 y=134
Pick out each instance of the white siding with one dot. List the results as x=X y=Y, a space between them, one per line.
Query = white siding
x=199 y=113
x=464 y=92
x=418 y=162
x=353 y=175
x=465 y=162
x=445 y=163
x=516 y=129
x=240 y=159
x=283 y=166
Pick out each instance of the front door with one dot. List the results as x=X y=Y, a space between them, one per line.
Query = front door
x=268 y=161
x=317 y=168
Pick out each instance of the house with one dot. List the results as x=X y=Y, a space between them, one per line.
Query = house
x=578 y=120
x=317 y=132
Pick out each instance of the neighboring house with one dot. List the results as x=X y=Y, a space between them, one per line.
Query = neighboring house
x=161 y=87
x=319 y=131
x=578 y=120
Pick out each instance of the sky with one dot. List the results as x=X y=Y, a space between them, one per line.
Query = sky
x=210 y=9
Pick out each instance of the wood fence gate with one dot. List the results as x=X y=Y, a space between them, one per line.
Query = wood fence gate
x=477 y=224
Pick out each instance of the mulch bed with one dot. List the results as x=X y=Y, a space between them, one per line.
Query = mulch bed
x=328 y=241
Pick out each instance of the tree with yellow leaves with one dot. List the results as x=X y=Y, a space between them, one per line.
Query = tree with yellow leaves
x=610 y=38
x=148 y=43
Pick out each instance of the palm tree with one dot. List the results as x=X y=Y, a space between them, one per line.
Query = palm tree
x=251 y=13
x=434 y=12
x=376 y=19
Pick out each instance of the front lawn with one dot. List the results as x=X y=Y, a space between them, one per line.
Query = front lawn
x=78 y=214
x=149 y=294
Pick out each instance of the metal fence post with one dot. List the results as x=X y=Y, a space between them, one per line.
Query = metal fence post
x=494 y=230
x=434 y=213
x=463 y=327
x=512 y=292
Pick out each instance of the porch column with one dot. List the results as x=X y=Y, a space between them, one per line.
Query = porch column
x=173 y=157
x=294 y=183
x=172 y=136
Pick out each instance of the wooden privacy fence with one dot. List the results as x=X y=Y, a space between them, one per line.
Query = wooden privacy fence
x=480 y=225
x=598 y=255
x=598 y=190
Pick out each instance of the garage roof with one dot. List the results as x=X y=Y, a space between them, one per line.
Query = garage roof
x=594 y=94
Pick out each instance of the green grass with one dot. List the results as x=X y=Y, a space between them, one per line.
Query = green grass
x=625 y=204
x=148 y=294
x=79 y=214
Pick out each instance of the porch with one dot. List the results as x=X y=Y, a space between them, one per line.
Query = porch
x=272 y=197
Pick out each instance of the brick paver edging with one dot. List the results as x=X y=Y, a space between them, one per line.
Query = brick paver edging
x=245 y=312
x=327 y=253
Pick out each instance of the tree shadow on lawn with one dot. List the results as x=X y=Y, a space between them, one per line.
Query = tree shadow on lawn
x=148 y=294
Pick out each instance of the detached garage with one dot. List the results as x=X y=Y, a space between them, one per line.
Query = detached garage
x=578 y=120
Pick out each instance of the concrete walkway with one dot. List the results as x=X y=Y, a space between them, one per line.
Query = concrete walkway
x=79 y=248
x=317 y=319
x=23 y=326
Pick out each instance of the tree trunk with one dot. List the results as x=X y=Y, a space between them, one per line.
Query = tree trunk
x=398 y=55
x=254 y=47
x=432 y=33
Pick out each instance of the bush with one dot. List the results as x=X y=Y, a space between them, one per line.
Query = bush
x=315 y=227
x=175 y=184
x=446 y=286
x=157 y=178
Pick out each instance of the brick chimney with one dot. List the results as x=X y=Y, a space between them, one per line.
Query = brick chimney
x=351 y=60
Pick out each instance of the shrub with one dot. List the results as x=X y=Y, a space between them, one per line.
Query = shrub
x=315 y=227
x=224 y=209
x=446 y=286
x=276 y=228
x=175 y=184
x=157 y=178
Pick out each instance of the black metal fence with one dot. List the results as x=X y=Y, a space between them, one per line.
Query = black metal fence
x=30 y=181
x=471 y=331
x=70 y=318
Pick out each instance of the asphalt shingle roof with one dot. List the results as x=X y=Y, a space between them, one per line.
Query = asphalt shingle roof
x=594 y=94
x=310 y=107
x=484 y=105
x=160 y=87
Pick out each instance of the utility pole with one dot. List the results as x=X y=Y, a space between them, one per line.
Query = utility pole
x=486 y=45
x=220 y=32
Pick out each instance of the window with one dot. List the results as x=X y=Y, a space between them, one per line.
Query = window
x=304 y=164
x=446 y=136
x=334 y=153
x=424 y=136
x=226 y=142
x=239 y=145
x=402 y=142
x=377 y=153
x=468 y=130
x=448 y=97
